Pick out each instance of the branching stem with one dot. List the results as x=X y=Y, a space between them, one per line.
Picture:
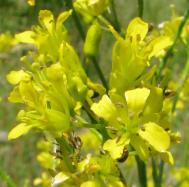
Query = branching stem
x=170 y=50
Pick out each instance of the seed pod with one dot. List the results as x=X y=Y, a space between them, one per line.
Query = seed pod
x=92 y=41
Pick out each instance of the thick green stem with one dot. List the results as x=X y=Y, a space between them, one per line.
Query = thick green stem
x=140 y=8
x=161 y=168
x=170 y=50
x=157 y=173
x=141 y=172
x=154 y=172
x=76 y=19
x=99 y=71
x=116 y=21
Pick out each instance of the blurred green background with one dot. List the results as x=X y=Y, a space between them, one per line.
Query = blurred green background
x=17 y=158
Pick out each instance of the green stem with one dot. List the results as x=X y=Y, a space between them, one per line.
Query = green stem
x=66 y=150
x=141 y=172
x=76 y=19
x=91 y=115
x=123 y=179
x=103 y=20
x=140 y=8
x=183 y=80
x=82 y=34
x=116 y=21
x=170 y=50
x=157 y=174
x=99 y=71
x=154 y=173
x=161 y=168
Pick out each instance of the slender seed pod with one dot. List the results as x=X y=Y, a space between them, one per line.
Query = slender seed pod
x=92 y=41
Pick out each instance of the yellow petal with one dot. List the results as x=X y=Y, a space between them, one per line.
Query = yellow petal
x=57 y=121
x=61 y=19
x=115 y=147
x=14 y=77
x=157 y=46
x=137 y=29
x=31 y=2
x=46 y=18
x=156 y=136
x=136 y=99
x=154 y=102
x=104 y=108
x=26 y=37
x=46 y=160
x=18 y=131
x=90 y=184
x=28 y=93
x=60 y=178
x=15 y=96
x=167 y=157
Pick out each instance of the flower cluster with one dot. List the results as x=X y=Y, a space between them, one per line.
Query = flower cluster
x=89 y=129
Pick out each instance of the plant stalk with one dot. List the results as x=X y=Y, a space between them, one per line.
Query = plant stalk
x=157 y=174
x=76 y=19
x=141 y=172
x=79 y=26
x=116 y=21
x=140 y=8
x=183 y=80
x=170 y=50
x=99 y=71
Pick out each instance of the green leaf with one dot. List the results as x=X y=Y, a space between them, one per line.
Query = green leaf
x=156 y=136
x=19 y=130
